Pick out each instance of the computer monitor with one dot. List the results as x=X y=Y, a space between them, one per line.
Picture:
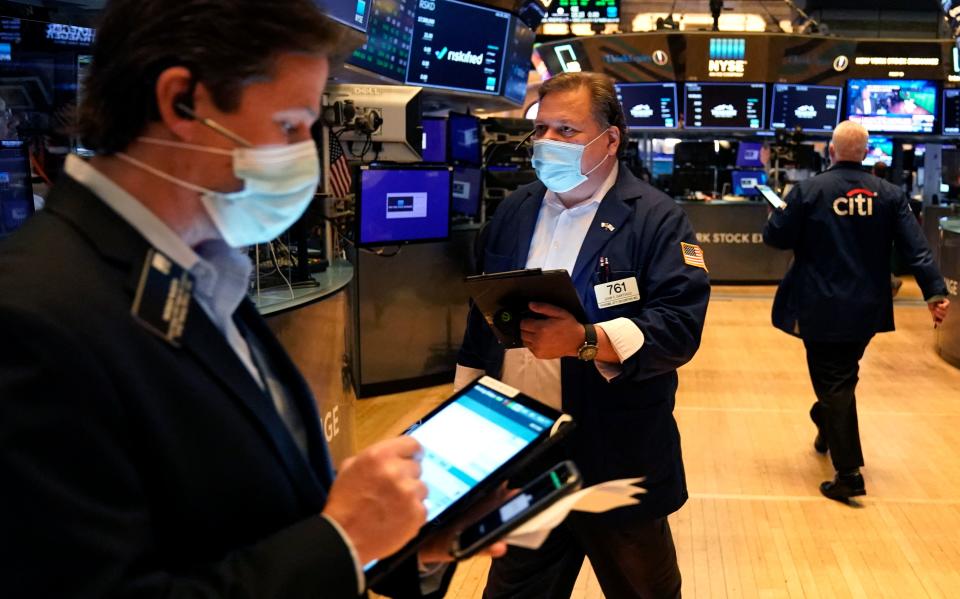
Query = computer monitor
x=467 y=190
x=745 y=182
x=16 y=190
x=725 y=105
x=399 y=204
x=879 y=149
x=458 y=46
x=464 y=139
x=810 y=107
x=649 y=105
x=695 y=153
x=354 y=13
x=893 y=105
x=434 y=139
x=951 y=112
x=583 y=11
x=518 y=63
x=749 y=154
x=389 y=33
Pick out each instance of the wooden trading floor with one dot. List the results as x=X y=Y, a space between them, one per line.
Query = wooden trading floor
x=755 y=524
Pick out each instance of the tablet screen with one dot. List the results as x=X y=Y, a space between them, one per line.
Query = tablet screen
x=470 y=439
x=771 y=197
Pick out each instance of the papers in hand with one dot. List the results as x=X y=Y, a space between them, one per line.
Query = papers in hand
x=595 y=500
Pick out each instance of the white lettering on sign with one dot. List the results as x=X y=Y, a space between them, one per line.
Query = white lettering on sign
x=727 y=68
x=331 y=424
x=898 y=61
x=70 y=33
x=730 y=238
x=855 y=206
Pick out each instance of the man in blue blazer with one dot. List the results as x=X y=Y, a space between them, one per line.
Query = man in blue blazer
x=642 y=279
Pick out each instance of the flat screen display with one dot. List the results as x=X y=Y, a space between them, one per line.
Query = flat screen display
x=951 y=112
x=516 y=69
x=749 y=154
x=745 y=182
x=893 y=105
x=649 y=105
x=458 y=46
x=16 y=191
x=810 y=107
x=434 y=139
x=403 y=205
x=354 y=13
x=583 y=11
x=464 y=138
x=389 y=31
x=879 y=149
x=725 y=105
x=467 y=190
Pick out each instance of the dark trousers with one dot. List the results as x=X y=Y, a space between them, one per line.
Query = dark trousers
x=833 y=370
x=631 y=558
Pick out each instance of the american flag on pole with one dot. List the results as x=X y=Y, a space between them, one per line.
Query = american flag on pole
x=693 y=255
x=340 y=180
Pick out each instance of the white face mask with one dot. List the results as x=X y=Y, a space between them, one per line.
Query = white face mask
x=279 y=183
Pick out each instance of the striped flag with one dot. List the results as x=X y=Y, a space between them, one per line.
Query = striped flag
x=693 y=255
x=340 y=180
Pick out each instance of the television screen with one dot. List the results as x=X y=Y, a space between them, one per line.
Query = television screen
x=458 y=46
x=725 y=105
x=583 y=11
x=354 y=13
x=434 y=139
x=749 y=155
x=467 y=190
x=403 y=204
x=16 y=191
x=893 y=105
x=745 y=182
x=810 y=107
x=879 y=149
x=390 y=29
x=516 y=69
x=649 y=105
x=951 y=112
x=464 y=139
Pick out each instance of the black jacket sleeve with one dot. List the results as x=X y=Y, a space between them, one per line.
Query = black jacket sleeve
x=910 y=242
x=675 y=308
x=75 y=516
x=785 y=226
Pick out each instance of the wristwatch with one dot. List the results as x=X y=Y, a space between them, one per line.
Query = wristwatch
x=588 y=351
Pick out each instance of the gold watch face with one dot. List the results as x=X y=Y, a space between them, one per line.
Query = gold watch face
x=587 y=352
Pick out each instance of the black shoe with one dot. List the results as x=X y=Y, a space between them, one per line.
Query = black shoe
x=820 y=444
x=843 y=487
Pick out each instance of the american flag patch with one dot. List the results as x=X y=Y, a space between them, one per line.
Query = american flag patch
x=693 y=255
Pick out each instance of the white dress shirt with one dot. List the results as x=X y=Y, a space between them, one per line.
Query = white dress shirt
x=556 y=243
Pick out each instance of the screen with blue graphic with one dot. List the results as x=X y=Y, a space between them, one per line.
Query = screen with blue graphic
x=458 y=46
x=354 y=13
x=583 y=11
x=810 y=107
x=649 y=105
x=518 y=63
x=16 y=191
x=728 y=49
x=469 y=440
x=402 y=205
x=749 y=154
x=467 y=190
x=951 y=112
x=879 y=149
x=464 y=140
x=725 y=105
x=893 y=105
x=434 y=139
x=389 y=31
x=745 y=182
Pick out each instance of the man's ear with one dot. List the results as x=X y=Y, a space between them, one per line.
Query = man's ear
x=174 y=91
x=615 y=140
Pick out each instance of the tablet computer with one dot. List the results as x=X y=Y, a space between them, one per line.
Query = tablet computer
x=771 y=196
x=503 y=298
x=472 y=443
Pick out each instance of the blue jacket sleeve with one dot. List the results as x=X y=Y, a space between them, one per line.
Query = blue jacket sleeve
x=909 y=240
x=784 y=227
x=675 y=308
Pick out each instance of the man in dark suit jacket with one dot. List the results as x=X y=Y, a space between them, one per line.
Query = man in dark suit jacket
x=155 y=439
x=641 y=277
x=836 y=296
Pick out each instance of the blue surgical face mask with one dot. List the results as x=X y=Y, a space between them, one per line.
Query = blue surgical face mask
x=279 y=183
x=558 y=163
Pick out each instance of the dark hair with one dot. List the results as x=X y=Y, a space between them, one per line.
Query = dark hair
x=224 y=43
x=603 y=98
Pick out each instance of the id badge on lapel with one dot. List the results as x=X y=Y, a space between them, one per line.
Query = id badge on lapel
x=162 y=301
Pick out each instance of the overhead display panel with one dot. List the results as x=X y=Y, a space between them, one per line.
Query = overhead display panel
x=725 y=105
x=649 y=105
x=387 y=49
x=893 y=105
x=518 y=64
x=354 y=13
x=810 y=107
x=458 y=46
x=583 y=11
x=951 y=112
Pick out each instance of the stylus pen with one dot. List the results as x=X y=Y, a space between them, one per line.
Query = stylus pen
x=604 y=270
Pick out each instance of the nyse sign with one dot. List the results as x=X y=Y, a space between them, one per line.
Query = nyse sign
x=730 y=238
x=727 y=68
